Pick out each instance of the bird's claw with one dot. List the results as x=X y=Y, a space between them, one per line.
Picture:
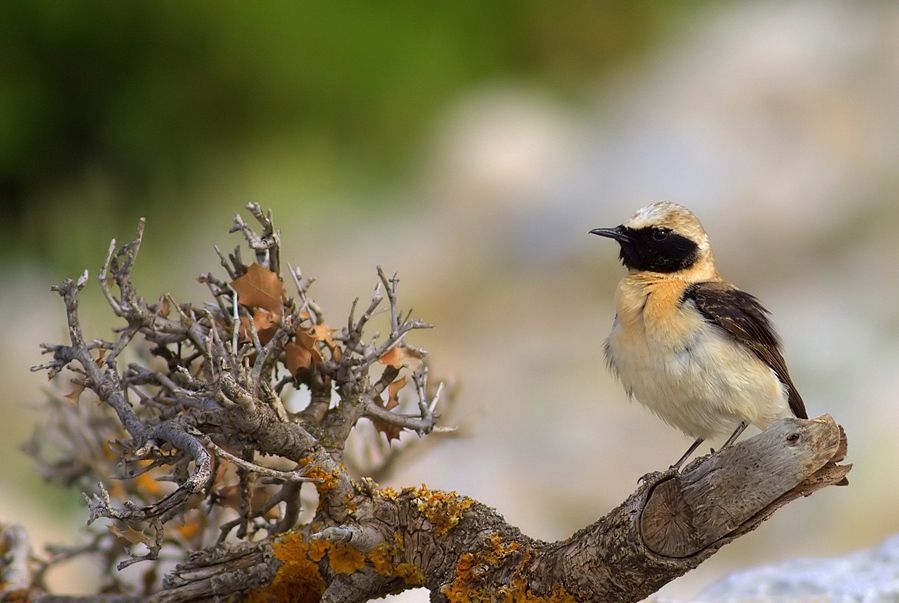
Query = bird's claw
x=657 y=476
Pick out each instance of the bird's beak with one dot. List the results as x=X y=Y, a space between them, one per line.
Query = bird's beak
x=618 y=233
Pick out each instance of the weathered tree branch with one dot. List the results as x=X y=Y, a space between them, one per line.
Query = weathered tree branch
x=464 y=551
x=205 y=404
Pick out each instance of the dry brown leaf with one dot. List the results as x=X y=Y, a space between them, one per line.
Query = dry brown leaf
x=130 y=534
x=117 y=490
x=297 y=357
x=112 y=449
x=389 y=429
x=393 y=391
x=400 y=356
x=75 y=395
x=273 y=513
x=303 y=353
x=305 y=339
x=147 y=485
x=265 y=322
x=325 y=334
x=229 y=496
x=189 y=529
x=259 y=287
x=164 y=307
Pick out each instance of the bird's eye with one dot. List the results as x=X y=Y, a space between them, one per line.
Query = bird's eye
x=660 y=234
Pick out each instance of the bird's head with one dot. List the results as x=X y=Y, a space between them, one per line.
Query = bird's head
x=662 y=237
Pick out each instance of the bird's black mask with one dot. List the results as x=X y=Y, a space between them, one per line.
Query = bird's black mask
x=655 y=249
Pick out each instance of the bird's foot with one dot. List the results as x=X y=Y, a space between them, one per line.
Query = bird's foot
x=657 y=476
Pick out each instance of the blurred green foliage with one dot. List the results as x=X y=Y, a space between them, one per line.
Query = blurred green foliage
x=110 y=109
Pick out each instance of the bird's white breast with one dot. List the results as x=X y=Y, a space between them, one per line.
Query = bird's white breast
x=686 y=370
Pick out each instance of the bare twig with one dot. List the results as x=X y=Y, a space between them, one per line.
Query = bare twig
x=284 y=476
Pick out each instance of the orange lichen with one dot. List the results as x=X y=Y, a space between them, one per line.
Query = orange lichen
x=443 y=510
x=386 y=492
x=500 y=549
x=473 y=570
x=345 y=559
x=384 y=558
x=350 y=504
x=410 y=574
x=328 y=479
x=318 y=549
x=381 y=558
x=298 y=578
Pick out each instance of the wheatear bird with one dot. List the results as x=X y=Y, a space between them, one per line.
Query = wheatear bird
x=686 y=343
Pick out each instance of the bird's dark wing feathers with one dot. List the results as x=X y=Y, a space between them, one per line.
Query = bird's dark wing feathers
x=746 y=320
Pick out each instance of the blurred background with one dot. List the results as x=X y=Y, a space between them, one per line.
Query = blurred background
x=470 y=146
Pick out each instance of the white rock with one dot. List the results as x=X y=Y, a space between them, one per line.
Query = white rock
x=866 y=576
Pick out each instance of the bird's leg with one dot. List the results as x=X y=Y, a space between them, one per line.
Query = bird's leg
x=733 y=437
x=690 y=450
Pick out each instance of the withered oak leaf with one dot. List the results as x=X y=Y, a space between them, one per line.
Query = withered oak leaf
x=400 y=356
x=259 y=287
x=388 y=429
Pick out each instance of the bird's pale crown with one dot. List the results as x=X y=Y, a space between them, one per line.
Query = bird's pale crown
x=678 y=218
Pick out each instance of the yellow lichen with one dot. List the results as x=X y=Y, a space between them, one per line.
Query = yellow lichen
x=345 y=559
x=381 y=558
x=472 y=578
x=384 y=559
x=350 y=504
x=327 y=479
x=298 y=578
x=386 y=492
x=501 y=549
x=443 y=510
x=318 y=549
x=410 y=574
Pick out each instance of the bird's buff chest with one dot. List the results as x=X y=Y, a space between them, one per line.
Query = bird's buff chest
x=651 y=322
x=658 y=349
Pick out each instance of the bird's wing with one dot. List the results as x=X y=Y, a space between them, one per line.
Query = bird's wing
x=746 y=321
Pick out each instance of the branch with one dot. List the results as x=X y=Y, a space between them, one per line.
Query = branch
x=675 y=522
x=15 y=547
x=282 y=476
x=462 y=550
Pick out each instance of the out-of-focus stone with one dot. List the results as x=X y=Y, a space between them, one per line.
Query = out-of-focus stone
x=867 y=576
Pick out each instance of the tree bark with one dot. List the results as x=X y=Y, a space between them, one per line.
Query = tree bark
x=462 y=550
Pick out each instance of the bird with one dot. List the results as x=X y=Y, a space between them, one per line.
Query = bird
x=686 y=343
